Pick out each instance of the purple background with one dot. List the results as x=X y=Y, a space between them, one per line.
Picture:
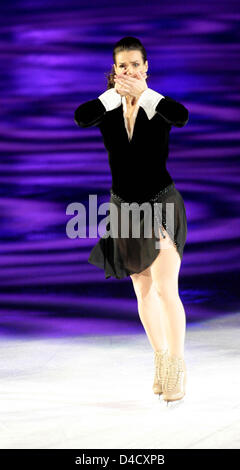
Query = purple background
x=54 y=56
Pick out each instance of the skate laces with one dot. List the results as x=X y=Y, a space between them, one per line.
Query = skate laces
x=160 y=358
x=174 y=372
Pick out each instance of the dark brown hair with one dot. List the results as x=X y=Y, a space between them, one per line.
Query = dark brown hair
x=127 y=43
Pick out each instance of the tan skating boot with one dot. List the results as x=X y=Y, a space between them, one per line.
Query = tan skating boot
x=160 y=362
x=175 y=381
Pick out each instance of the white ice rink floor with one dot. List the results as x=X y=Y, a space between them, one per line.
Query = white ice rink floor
x=95 y=392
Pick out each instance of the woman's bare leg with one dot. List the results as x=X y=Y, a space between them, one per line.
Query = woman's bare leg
x=150 y=309
x=164 y=274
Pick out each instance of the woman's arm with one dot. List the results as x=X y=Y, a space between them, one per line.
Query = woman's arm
x=171 y=111
x=91 y=113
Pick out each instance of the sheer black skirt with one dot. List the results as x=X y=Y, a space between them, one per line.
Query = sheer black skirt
x=120 y=255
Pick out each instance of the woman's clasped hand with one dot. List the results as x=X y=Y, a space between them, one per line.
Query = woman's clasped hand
x=133 y=86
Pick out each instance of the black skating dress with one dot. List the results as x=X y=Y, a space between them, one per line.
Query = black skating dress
x=143 y=195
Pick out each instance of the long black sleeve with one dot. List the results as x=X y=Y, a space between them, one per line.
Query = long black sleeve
x=173 y=112
x=90 y=113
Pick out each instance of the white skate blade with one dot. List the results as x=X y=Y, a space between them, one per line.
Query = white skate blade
x=171 y=405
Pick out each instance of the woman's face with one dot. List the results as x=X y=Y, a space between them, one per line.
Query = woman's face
x=128 y=62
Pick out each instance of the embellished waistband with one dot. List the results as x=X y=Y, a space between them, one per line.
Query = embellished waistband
x=154 y=198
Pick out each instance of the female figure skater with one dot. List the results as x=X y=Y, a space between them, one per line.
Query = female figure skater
x=135 y=122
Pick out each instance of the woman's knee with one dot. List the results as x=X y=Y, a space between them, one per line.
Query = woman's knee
x=142 y=284
x=166 y=288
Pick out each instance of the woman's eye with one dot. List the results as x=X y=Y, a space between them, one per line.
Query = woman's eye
x=134 y=64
